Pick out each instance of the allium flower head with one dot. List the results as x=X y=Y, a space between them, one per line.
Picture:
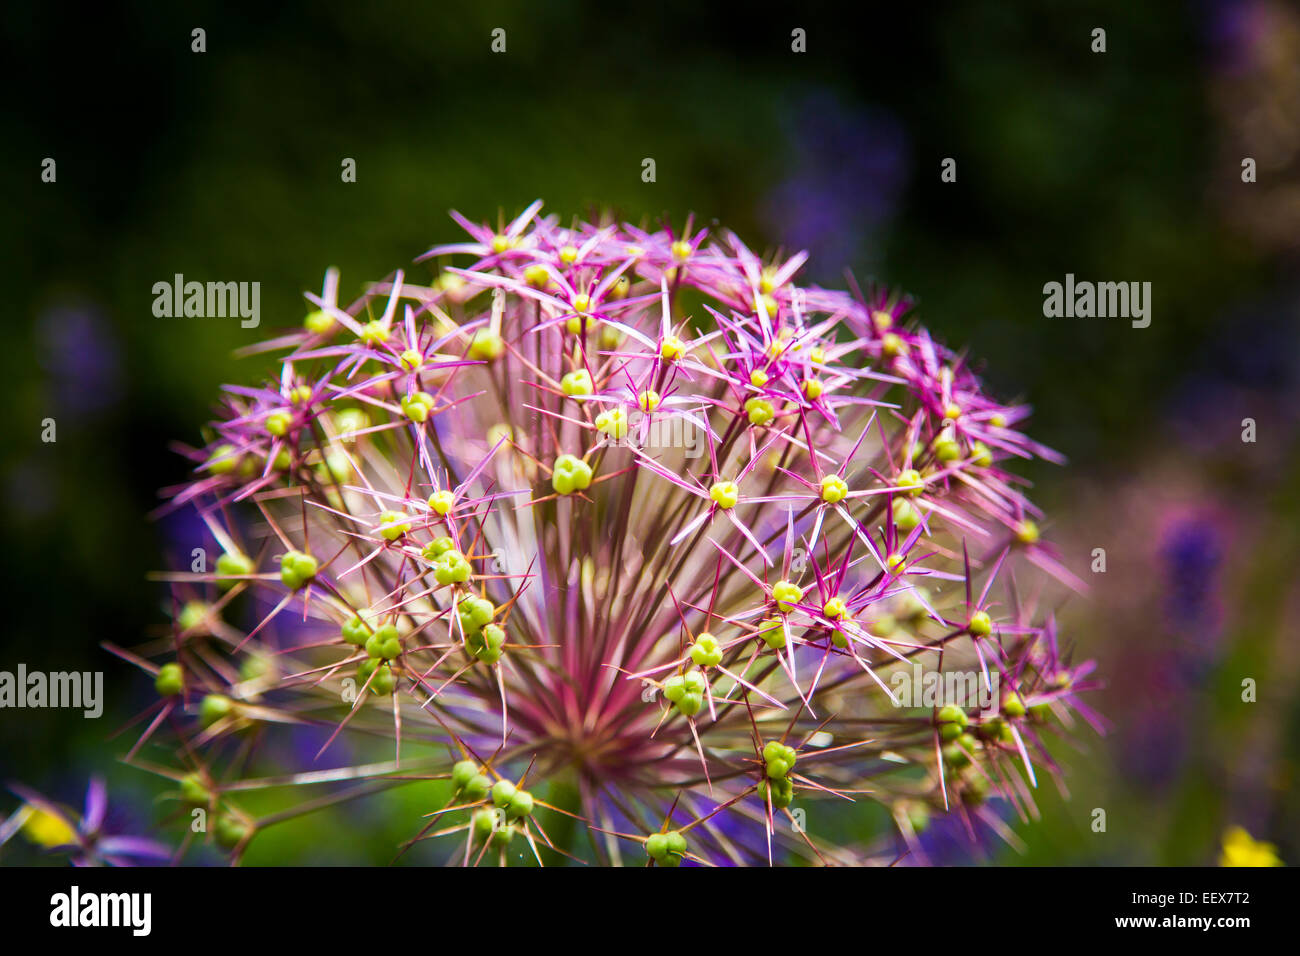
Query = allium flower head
x=621 y=532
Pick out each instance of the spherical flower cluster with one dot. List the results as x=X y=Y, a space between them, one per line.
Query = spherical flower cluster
x=623 y=533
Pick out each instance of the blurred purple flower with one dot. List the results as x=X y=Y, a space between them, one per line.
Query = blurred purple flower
x=847 y=168
x=949 y=840
x=1191 y=550
x=60 y=829
x=77 y=350
x=1154 y=745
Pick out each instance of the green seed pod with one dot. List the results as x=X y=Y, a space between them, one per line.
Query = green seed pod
x=278 y=423
x=519 y=805
x=229 y=831
x=910 y=482
x=780 y=759
x=232 y=565
x=462 y=773
x=952 y=714
x=759 y=411
x=906 y=516
x=834 y=489
x=348 y=420
x=1027 y=533
x=613 y=422
x=170 y=680
x=223 y=460
x=214 y=707
x=786 y=595
x=772 y=633
x=576 y=384
x=474 y=612
x=374 y=333
x=438 y=547
x=451 y=568
x=442 y=501
x=954 y=756
x=487 y=346
x=192 y=615
x=947 y=449
x=656 y=846
x=918 y=814
x=570 y=474
x=358 y=629
x=418 y=406
x=536 y=276
x=494 y=636
x=503 y=835
x=778 y=768
x=477 y=788
x=676 y=842
x=694 y=682
x=296 y=569
x=254 y=666
x=780 y=789
x=995 y=728
x=194 y=791
x=503 y=791
x=481 y=652
x=1012 y=705
x=383 y=683
x=483 y=823
x=675 y=688
x=706 y=651
x=980 y=625
x=393 y=524
x=957 y=753
x=386 y=643
x=691 y=704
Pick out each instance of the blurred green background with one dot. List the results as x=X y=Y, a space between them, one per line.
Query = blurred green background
x=1123 y=165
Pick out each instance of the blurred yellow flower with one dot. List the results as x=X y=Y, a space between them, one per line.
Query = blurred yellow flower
x=47 y=829
x=1241 y=849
